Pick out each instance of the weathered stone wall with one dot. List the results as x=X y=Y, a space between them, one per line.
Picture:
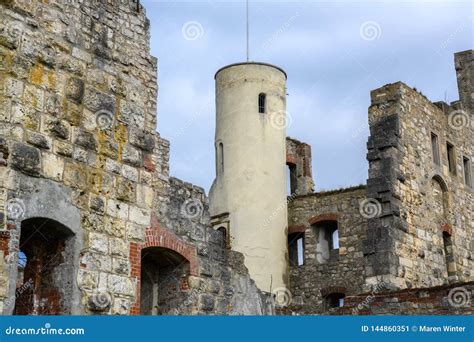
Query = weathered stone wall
x=464 y=64
x=419 y=201
x=78 y=149
x=343 y=271
x=78 y=104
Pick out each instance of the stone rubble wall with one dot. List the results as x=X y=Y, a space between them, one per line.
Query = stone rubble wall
x=453 y=299
x=78 y=103
x=464 y=64
x=343 y=272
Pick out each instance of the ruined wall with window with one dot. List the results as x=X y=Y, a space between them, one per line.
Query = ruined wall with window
x=218 y=281
x=298 y=160
x=331 y=263
x=84 y=184
x=420 y=156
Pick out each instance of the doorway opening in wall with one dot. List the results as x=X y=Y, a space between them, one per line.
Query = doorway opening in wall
x=296 y=249
x=163 y=273
x=45 y=268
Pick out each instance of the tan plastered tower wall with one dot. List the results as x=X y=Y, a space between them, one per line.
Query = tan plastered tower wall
x=249 y=191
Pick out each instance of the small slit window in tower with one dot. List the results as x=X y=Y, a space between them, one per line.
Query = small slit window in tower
x=262 y=103
x=221 y=157
x=467 y=171
x=451 y=158
x=435 y=148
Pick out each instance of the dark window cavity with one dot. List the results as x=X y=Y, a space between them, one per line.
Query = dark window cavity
x=451 y=158
x=435 y=149
x=467 y=171
x=262 y=103
x=334 y=300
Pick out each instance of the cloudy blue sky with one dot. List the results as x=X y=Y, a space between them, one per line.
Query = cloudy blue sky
x=333 y=52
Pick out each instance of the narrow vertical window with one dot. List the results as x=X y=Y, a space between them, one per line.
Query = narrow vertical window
x=467 y=171
x=435 y=148
x=296 y=249
x=451 y=158
x=300 y=246
x=292 y=179
x=262 y=103
x=221 y=157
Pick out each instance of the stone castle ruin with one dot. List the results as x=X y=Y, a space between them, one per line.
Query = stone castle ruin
x=92 y=223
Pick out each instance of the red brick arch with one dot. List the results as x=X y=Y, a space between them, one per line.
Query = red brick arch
x=332 y=289
x=446 y=228
x=290 y=159
x=157 y=236
x=323 y=217
x=300 y=228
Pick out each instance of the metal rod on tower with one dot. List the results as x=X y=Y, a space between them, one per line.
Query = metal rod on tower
x=247 y=30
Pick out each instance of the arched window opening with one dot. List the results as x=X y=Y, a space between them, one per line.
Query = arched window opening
x=334 y=300
x=262 y=103
x=327 y=240
x=296 y=249
x=163 y=271
x=449 y=255
x=440 y=198
x=45 y=268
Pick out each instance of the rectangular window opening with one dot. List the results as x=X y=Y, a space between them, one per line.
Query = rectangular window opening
x=451 y=158
x=262 y=99
x=435 y=148
x=467 y=171
x=292 y=179
x=299 y=244
x=296 y=249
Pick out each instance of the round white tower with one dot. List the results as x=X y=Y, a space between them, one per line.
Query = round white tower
x=248 y=197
